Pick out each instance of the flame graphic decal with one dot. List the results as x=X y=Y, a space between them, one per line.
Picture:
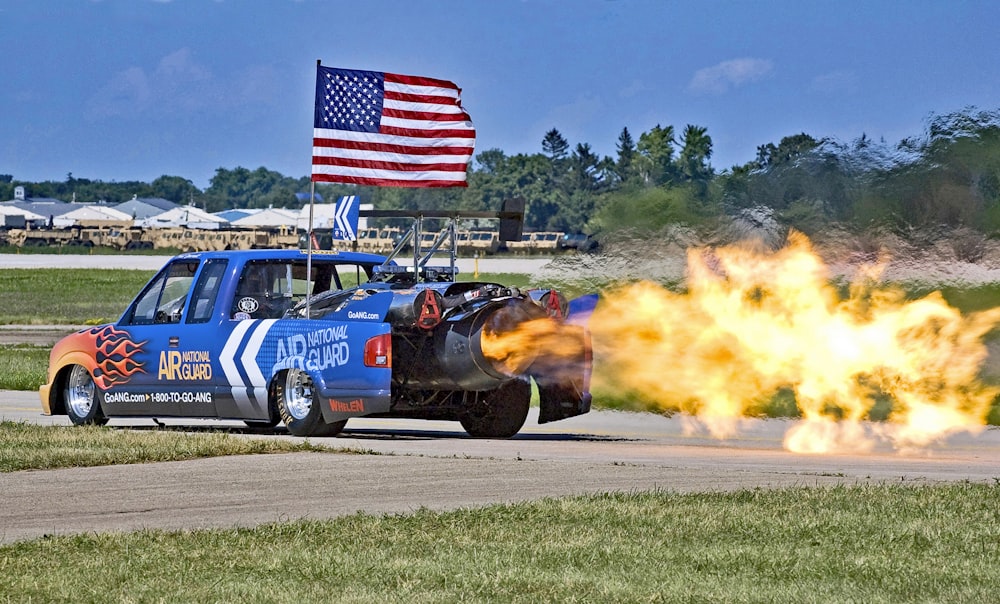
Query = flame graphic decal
x=115 y=353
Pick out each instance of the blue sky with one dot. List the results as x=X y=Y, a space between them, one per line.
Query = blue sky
x=120 y=90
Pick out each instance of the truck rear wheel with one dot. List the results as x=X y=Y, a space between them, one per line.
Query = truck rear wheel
x=299 y=408
x=499 y=413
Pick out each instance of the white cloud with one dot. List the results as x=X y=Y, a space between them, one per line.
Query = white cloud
x=636 y=88
x=177 y=83
x=180 y=65
x=719 y=78
x=126 y=94
x=180 y=84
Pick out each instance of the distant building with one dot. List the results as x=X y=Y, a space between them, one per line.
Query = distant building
x=92 y=215
x=14 y=217
x=186 y=216
x=141 y=208
x=271 y=217
x=46 y=207
x=236 y=214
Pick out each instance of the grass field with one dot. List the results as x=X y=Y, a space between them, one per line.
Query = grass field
x=56 y=296
x=845 y=544
x=26 y=446
x=22 y=366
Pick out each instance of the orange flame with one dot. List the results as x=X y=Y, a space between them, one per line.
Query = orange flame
x=549 y=347
x=752 y=324
x=115 y=354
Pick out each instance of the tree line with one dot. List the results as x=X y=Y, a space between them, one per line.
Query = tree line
x=948 y=175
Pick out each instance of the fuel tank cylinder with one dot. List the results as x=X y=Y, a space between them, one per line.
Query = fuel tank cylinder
x=451 y=355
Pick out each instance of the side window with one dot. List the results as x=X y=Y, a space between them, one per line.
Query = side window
x=265 y=291
x=163 y=299
x=350 y=275
x=206 y=290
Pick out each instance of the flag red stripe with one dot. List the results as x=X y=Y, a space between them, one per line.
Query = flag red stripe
x=424 y=115
x=372 y=164
x=387 y=148
x=385 y=182
x=434 y=99
x=427 y=133
x=395 y=78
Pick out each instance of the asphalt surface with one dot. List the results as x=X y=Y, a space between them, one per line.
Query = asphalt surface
x=434 y=465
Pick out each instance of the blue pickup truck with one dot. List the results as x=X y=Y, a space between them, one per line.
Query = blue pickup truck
x=312 y=339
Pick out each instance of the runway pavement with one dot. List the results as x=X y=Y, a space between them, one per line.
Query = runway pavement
x=435 y=465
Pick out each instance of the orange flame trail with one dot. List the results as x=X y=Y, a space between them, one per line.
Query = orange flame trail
x=752 y=323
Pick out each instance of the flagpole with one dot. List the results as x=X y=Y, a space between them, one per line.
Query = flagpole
x=309 y=230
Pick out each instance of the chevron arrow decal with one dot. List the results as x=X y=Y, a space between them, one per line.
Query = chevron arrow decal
x=345 y=218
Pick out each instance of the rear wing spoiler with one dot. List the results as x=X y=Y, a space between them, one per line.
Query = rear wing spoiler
x=511 y=216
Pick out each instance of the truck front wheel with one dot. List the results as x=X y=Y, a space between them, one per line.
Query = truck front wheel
x=80 y=396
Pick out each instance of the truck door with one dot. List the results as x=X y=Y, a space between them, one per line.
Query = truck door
x=166 y=344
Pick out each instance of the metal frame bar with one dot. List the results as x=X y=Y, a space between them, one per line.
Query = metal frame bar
x=420 y=258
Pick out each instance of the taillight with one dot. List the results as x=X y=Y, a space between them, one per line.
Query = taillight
x=378 y=351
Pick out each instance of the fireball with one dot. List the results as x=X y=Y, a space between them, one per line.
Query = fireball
x=752 y=323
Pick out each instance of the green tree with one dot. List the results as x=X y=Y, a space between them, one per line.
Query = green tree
x=560 y=167
x=585 y=168
x=954 y=180
x=788 y=150
x=696 y=150
x=243 y=188
x=491 y=160
x=554 y=145
x=649 y=209
x=656 y=155
x=626 y=155
x=176 y=189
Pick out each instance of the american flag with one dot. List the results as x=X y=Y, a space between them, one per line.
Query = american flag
x=385 y=129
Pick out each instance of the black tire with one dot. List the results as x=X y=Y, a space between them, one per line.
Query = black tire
x=273 y=415
x=499 y=413
x=298 y=407
x=80 y=398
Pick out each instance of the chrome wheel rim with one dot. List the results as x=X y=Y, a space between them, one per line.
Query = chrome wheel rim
x=298 y=394
x=80 y=392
